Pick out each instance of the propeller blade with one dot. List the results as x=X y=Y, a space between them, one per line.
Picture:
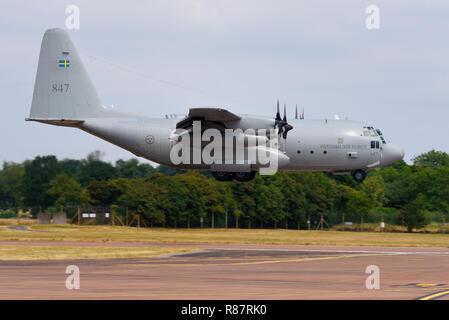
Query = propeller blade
x=287 y=128
x=285 y=114
x=278 y=114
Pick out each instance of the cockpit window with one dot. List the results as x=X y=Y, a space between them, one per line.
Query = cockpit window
x=381 y=136
x=370 y=133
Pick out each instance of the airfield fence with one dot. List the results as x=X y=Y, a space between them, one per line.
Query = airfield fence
x=122 y=216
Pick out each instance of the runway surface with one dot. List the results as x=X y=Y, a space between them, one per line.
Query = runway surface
x=244 y=271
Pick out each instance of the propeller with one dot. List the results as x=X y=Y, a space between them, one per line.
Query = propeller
x=282 y=124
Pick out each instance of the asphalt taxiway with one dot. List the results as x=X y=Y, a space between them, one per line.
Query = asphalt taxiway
x=235 y=271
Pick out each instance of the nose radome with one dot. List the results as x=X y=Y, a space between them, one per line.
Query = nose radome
x=391 y=153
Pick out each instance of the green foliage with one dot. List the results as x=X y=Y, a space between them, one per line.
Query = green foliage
x=36 y=181
x=432 y=159
x=414 y=216
x=101 y=192
x=397 y=193
x=374 y=188
x=132 y=168
x=93 y=169
x=359 y=203
x=66 y=190
x=8 y=213
x=11 y=184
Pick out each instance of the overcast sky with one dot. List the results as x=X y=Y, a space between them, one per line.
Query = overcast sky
x=241 y=55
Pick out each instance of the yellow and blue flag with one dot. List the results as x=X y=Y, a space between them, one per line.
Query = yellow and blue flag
x=64 y=63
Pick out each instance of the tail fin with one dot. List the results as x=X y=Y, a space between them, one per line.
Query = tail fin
x=62 y=90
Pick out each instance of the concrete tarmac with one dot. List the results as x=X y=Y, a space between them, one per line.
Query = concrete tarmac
x=235 y=271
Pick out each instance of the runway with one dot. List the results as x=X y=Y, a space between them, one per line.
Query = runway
x=230 y=271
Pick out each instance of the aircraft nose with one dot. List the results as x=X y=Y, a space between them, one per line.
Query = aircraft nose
x=391 y=153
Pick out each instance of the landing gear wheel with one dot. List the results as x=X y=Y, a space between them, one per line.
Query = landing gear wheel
x=245 y=176
x=359 y=175
x=223 y=176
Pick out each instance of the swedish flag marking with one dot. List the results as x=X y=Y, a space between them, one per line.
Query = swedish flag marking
x=64 y=63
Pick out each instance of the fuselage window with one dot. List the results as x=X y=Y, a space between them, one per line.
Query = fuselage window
x=377 y=145
x=299 y=151
x=325 y=152
x=373 y=144
x=311 y=151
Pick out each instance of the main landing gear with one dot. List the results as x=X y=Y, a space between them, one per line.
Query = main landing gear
x=359 y=175
x=229 y=176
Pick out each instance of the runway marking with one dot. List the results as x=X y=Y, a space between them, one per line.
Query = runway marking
x=435 y=295
x=337 y=251
x=426 y=285
x=254 y=262
x=303 y=259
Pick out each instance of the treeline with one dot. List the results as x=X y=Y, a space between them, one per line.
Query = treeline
x=412 y=195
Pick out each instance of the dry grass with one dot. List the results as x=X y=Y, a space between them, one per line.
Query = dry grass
x=17 y=222
x=253 y=236
x=433 y=227
x=23 y=252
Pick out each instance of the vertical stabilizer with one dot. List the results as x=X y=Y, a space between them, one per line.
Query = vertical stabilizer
x=62 y=89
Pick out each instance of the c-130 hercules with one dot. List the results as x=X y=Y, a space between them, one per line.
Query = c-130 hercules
x=64 y=96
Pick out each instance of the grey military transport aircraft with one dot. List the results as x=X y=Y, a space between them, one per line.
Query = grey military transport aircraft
x=64 y=96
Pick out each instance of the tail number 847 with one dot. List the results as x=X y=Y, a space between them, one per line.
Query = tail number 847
x=60 y=87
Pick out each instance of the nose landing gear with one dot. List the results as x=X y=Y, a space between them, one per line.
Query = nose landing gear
x=359 y=175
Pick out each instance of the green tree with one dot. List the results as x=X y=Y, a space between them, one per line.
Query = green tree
x=414 y=216
x=11 y=177
x=397 y=184
x=244 y=195
x=157 y=201
x=66 y=190
x=188 y=200
x=359 y=204
x=102 y=192
x=69 y=166
x=374 y=187
x=36 y=181
x=93 y=168
x=132 y=168
x=432 y=159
